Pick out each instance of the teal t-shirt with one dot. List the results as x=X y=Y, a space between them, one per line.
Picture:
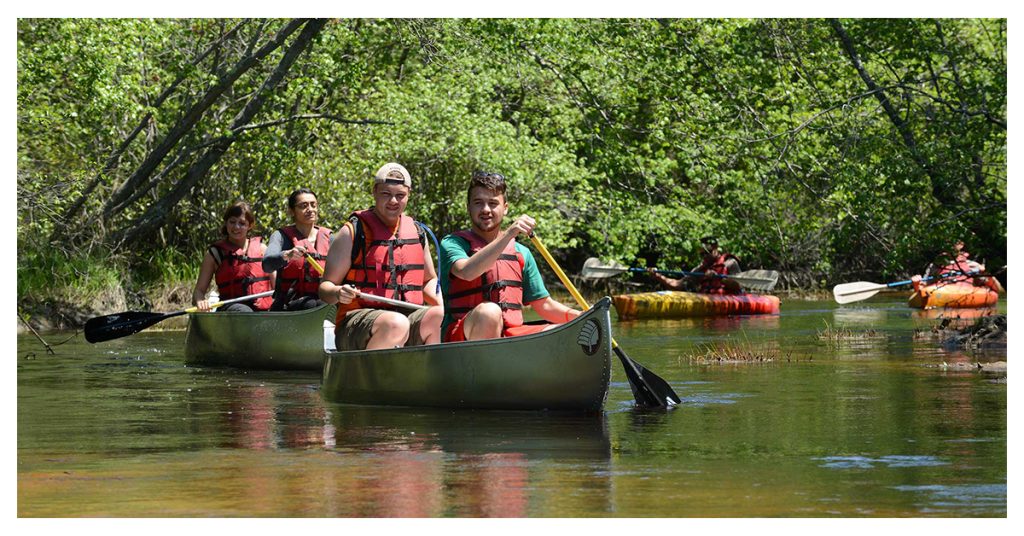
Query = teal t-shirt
x=454 y=248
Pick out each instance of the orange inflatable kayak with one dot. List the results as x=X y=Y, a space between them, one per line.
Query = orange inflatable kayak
x=678 y=304
x=959 y=294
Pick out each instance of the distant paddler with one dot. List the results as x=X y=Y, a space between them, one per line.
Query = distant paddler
x=956 y=266
x=714 y=263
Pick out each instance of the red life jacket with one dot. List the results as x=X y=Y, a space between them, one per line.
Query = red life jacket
x=392 y=267
x=240 y=272
x=958 y=266
x=298 y=273
x=502 y=284
x=715 y=285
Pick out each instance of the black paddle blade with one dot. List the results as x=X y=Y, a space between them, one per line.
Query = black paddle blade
x=115 y=326
x=649 y=389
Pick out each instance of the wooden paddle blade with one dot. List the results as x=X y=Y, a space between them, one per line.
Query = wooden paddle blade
x=595 y=269
x=649 y=389
x=115 y=326
x=853 y=292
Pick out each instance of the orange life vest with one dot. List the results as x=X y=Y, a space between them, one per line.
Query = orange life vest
x=715 y=285
x=391 y=267
x=240 y=272
x=298 y=273
x=502 y=284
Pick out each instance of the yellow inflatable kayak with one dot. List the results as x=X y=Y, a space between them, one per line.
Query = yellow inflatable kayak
x=678 y=304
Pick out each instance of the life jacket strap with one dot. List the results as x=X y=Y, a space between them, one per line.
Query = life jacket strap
x=487 y=289
x=505 y=306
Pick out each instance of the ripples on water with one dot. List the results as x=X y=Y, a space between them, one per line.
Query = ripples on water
x=862 y=428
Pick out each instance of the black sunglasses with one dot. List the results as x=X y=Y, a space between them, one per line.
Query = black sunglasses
x=486 y=175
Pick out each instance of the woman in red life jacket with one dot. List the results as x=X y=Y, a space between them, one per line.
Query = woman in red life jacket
x=235 y=263
x=382 y=252
x=953 y=267
x=487 y=277
x=297 y=280
x=713 y=262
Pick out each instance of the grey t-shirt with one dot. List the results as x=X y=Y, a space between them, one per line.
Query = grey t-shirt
x=272 y=259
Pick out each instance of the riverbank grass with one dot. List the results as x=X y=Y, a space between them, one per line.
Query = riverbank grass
x=56 y=291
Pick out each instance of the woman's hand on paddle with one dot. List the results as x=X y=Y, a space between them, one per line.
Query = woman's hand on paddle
x=296 y=252
x=347 y=293
x=203 y=305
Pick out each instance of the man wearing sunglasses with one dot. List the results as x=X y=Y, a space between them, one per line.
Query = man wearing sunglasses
x=487 y=277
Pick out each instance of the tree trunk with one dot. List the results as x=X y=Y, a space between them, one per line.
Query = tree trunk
x=187 y=122
x=155 y=215
x=60 y=232
x=938 y=189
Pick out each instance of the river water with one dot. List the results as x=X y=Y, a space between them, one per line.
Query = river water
x=879 y=423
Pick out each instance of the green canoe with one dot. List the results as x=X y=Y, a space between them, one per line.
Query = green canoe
x=279 y=340
x=566 y=368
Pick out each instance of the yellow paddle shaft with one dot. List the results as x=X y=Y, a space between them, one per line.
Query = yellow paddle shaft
x=564 y=278
x=316 y=265
x=558 y=271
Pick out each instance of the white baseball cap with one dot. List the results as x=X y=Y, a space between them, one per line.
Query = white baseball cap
x=392 y=173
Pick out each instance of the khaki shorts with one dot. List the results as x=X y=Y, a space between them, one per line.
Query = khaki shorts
x=354 y=331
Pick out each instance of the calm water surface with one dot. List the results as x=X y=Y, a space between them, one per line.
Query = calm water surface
x=872 y=426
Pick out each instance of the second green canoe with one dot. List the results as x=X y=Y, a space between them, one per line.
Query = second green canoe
x=279 y=340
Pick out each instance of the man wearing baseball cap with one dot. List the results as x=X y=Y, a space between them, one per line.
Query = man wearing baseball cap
x=381 y=251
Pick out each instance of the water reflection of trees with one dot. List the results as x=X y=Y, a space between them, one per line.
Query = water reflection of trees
x=672 y=326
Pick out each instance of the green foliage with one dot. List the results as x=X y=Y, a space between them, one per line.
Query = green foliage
x=625 y=138
x=50 y=275
x=168 y=266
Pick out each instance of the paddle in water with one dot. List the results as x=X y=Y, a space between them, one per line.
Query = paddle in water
x=115 y=326
x=862 y=290
x=649 y=389
x=763 y=280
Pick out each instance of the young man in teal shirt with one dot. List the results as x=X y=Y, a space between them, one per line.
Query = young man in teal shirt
x=487 y=277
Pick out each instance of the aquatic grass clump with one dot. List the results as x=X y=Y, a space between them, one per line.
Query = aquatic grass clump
x=835 y=336
x=952 y=323
x=738 y=352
